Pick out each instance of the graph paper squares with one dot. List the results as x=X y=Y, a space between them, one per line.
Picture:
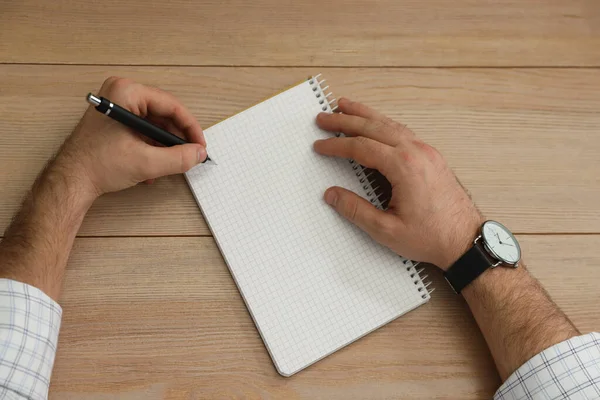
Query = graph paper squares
x=312 y=282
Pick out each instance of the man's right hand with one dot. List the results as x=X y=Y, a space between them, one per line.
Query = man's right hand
x=430 y=216
x=104 y=156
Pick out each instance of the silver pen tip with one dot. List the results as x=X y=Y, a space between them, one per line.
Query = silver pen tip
x=93 y=100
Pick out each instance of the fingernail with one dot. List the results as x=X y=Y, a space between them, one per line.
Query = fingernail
x=201 y=155
x=330 y=197
x=316 y=145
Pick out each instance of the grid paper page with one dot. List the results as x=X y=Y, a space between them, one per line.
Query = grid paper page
x=312 y=281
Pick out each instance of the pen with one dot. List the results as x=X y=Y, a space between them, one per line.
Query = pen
x=135 y=122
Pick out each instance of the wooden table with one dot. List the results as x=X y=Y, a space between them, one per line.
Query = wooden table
x=508 y=90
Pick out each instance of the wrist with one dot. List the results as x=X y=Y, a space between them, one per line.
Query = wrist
x=70 y=178
x=462 y=240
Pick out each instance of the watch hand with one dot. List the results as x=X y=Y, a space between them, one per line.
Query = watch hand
x=499 y=240
x=497 y=237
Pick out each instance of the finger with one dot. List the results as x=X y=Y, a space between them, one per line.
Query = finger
x=365 y=151
x=360 y=212
x=350 y=107
x=161 y=161
x=352 y=125
x=360 y=110
x=149 y=181
x=162 y=104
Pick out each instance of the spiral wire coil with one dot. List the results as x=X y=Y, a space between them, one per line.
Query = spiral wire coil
x=329 y=103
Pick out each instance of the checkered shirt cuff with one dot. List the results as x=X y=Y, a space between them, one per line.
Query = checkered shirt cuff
x=29 y=325
x=567 y=370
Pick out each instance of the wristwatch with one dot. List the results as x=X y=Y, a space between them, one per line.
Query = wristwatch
x=495 y=245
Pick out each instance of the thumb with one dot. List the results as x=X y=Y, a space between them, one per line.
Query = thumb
x=377 y=223
x=173 y=160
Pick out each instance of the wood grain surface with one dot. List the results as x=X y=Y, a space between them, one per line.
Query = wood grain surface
x=525 y=142
x=313 y=33
x=507 y=90
x=161 y=318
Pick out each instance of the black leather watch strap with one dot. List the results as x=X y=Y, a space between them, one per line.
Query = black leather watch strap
x=464 y=271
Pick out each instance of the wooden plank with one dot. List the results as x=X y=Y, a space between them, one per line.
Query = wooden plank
x=524 y=141
x=315 y=33
x=160 y=318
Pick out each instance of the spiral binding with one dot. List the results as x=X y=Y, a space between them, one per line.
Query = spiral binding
x=363 y=174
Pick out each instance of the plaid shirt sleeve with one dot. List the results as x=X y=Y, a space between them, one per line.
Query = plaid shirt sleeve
x=567 y=370
x=29 y=324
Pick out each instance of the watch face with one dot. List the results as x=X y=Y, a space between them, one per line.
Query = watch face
x=501 y=242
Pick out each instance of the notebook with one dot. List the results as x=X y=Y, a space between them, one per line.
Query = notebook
x=312 y=282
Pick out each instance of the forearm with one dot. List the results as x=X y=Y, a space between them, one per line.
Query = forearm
x=431 y=218
x=36 y=245
x=516 y=316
